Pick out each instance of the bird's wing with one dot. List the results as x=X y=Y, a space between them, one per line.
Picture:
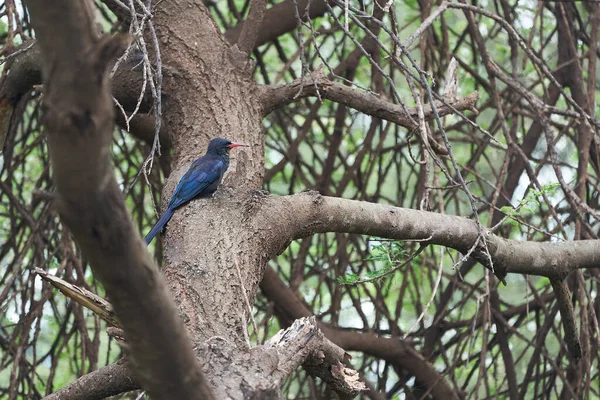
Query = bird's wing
x=202 y=178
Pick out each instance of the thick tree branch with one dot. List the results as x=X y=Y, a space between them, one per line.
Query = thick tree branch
x=308 y=213
x=274 y=97
x=26 y=67
x=79 y=123
x=24 y=72
x=280 y=19
x=104 y=382
x=304 y=344
x=251 y=27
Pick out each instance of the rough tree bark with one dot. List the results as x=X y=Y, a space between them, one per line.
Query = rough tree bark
x=215 y=253
x=79 y=123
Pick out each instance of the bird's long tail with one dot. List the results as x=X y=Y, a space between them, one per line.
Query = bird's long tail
x=162 y=221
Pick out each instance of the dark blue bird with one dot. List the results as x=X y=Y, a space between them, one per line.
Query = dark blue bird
x=201 y=180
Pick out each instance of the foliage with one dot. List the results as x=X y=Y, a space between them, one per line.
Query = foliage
x=529 y=205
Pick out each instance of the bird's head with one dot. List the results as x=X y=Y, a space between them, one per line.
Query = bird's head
x=222 y=146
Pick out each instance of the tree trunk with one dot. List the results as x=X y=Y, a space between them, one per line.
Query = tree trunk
x=216 y=249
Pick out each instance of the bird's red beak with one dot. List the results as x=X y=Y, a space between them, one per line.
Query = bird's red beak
x=236 y=144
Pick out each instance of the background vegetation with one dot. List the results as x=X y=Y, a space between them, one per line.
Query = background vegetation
x=487 y=340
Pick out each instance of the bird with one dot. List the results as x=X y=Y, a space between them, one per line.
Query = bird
x=201 y=180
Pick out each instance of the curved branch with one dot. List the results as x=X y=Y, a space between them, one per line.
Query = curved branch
x=79 y=125
x=24 y=71
x=104 y=382
x=251 y=27
x=274 y=97
x=280 y=19
x=308 y=213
